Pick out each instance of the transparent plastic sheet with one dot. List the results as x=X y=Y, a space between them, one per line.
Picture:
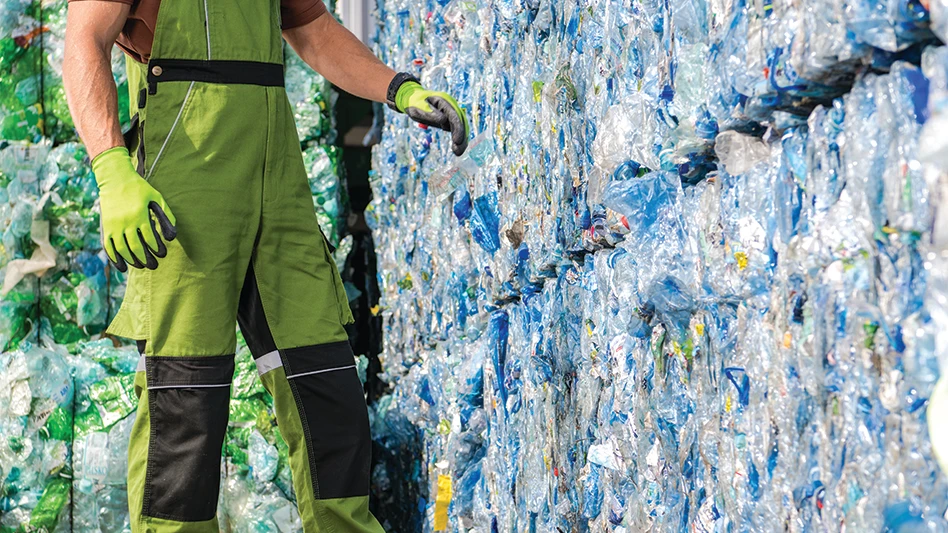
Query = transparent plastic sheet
x=711 y=302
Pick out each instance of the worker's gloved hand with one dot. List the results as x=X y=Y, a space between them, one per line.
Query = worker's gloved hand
x=127 y=203
x=434 y=109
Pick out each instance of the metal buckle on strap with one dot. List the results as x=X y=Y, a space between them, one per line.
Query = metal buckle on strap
x=214 y=71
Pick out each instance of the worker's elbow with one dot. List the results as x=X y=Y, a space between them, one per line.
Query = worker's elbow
x=92 y=27
x=85 y=48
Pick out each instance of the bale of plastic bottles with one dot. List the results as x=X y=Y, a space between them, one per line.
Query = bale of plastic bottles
x=689 y=276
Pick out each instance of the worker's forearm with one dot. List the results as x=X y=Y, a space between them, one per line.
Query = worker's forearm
x=90 y=92
x=340 y=57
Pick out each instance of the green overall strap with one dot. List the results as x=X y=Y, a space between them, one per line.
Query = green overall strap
x=215 y=30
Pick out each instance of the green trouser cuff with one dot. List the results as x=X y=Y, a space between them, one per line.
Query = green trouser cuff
x=347 y=514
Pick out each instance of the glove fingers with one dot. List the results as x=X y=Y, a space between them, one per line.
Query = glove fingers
x=134 y=245
x=454 y=121
x=421 y=105
x=160 y=250
x=148 y=235
x=435 y=118
x=121 y=249
x=115 y=258
x=108 y=247
x=150 y=262
x=168 y=231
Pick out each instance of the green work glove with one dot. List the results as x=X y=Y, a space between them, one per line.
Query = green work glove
x=127 y=203
x=434 y=109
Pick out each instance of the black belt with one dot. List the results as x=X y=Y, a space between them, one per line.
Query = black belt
x=214 y=71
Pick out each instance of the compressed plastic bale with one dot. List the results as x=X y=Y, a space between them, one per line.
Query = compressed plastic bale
x=19 y=315
x=323 y=164
x=74 y=303
x=36 y=390
x=885 y=118
x=257 y=492
x=568 y=365
x=246 y=507
x=57 y=120
x=664 y=358
x=99 y=490
x=105 y=406
x=73 y=294
x=312 y=99
x=932 y=147
x=396 y=442
x=888 y=25
x=22 y=165
x=111 y=397
x=21 y=110
x=70 y=185
x=25 y=251
x=937 y=410
x=624 y=129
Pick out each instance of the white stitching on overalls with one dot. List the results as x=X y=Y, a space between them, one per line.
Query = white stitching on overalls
x=170 y=132
x=207 y=28
x=320 y=371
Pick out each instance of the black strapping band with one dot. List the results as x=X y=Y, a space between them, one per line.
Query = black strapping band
x=214 y=71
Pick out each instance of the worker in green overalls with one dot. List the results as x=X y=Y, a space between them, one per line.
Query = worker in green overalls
x=206 y=203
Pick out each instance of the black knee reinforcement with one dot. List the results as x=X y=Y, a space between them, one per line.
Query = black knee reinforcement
x=331 y=403
x=188 y=399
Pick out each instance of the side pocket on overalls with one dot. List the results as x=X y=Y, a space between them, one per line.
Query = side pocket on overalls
x=342 y=299
x=135 y=136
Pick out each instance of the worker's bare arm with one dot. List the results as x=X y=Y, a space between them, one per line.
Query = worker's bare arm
x=91 y=29
x=334 y=52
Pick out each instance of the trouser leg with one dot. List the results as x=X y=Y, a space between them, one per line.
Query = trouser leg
x=175 y=445
x=185 y=309
x=322 y=416
x=292 y=318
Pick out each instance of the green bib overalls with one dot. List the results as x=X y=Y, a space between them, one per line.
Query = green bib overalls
x=216 y=136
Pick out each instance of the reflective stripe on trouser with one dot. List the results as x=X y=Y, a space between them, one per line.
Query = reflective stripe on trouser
x=226 y=157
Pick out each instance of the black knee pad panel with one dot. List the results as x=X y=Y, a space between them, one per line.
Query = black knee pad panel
x=332 y=407
x=188 y=400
